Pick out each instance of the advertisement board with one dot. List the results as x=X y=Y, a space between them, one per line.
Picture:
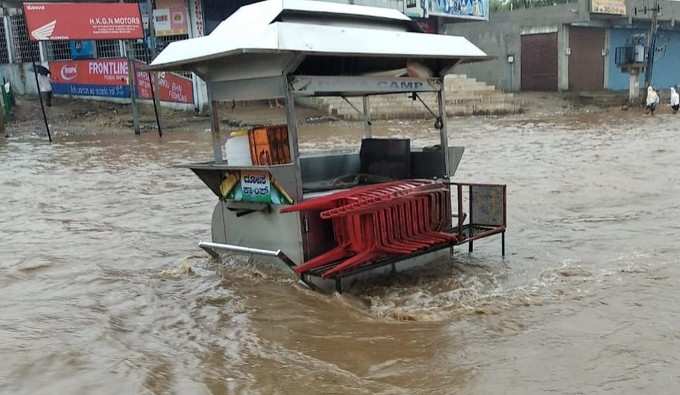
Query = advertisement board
x=174 y=88
x=612 y=7
x=83 y=21
x=460 y=9
x=92 y=77
x=170 y=18
x=109 y=78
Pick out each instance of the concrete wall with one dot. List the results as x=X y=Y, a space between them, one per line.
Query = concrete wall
x=666 y=64
x=21 y=77
x=501 y=36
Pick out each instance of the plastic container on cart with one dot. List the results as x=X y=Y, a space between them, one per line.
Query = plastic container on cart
x=237 y=149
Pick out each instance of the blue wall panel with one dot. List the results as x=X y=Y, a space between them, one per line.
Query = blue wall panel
x=666 y=64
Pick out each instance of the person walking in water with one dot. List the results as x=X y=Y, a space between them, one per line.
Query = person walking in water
x=45 y=87
x=675 y=100
x=652 y=100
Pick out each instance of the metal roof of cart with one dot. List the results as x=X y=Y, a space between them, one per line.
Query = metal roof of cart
x=284 y=32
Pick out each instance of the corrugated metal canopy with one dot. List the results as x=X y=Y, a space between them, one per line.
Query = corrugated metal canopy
x=274 y=31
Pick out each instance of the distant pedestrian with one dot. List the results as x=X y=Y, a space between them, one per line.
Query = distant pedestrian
x=274 y=103
x=45 y=87
x=652 y=100
x=675 y=100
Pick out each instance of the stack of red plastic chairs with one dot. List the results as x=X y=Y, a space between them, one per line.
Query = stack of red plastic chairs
x=375 y=221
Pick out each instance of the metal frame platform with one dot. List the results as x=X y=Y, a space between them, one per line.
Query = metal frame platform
x=471 y=232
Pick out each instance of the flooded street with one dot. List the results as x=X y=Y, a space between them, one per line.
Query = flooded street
x=103 y=289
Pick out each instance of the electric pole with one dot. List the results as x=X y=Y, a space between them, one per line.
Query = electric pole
x=651 y=41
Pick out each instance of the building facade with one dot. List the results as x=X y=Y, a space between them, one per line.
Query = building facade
x=572 y=46
x=17 y=52
x=200 y=18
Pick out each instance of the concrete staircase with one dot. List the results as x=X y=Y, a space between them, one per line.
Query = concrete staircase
x=464 y=96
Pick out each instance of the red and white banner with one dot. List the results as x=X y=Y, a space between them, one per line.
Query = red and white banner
x=83 y=21
x=92 y=77
x=173 y=87
x=109 y=78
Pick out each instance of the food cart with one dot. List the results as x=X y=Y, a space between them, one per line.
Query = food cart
x=291 y=49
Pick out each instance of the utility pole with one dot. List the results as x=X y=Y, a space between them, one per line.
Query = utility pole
x=132 y=76
x=153 y=77
x=651 y=42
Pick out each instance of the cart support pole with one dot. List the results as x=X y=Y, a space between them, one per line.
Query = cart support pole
x=368 y=133
x=443 y=132
x=215 y=130
x=291 y=120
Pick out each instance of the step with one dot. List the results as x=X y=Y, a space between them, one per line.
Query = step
x=464 y=96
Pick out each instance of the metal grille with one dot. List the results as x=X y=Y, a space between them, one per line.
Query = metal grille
x=138 y=51
x=57 y=50
x=25 y=50
x=487 y=204
x=162 y=42
x=108 y=49
x=4 y=54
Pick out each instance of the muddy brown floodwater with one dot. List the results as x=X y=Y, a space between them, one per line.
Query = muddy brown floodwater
x=103 y=290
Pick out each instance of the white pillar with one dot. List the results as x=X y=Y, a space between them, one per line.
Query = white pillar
x=563 y=53
x=633 y=86
x=8 y=38
x=42 y=52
